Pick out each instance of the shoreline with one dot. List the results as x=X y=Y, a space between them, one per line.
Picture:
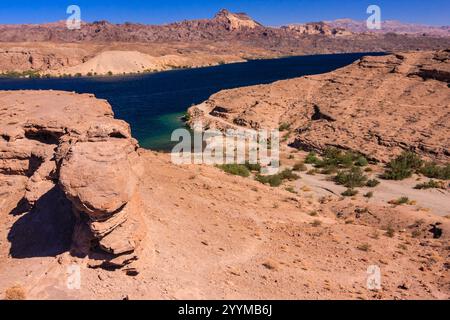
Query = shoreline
x=31 y=74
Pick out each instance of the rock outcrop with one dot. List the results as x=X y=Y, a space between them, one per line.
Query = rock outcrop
x=317 y=28
x=378 y=106
x=102 y=47
x=72 y=142
x=391 y=26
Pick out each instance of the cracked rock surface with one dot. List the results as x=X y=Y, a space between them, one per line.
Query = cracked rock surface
x=70 y=142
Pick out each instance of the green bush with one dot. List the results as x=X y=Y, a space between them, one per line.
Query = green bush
x=369 y=195
x=361 y=161
x=372 y=183
x=287 y=174
x=277 y=179
x=403 y=166
x=235 y=169
x=273 y=181
x=432 y=184
x=333 y=157
x=311 y=158
x=329 y=169
x=284 y=127
x=433 y=171
x=253 y=166
x=400 y=201
x=352 y=178
x=349 y=192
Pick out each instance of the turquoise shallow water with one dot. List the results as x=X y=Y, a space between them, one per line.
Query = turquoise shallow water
x=154 y=103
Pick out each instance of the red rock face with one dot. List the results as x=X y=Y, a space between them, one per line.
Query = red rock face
x=73 y=143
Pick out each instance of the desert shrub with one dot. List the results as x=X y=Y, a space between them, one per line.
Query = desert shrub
x=287 y=174
x=433 y=171
x=291 y=190
x=300 y=166
x=390 y=231
x=372 y=183
x=284 y=126
x=311 y=158
x=316 y=223
x=368 y=195
x=277 y=179
x=253 y=166
x=313 y=213
x=432 y=184
x=110 y=73
x=416 y=234
x=333 y=157
x=273 y=181
x=349 y=192
x=361 y=161
x=364 y=247
x=352 y=178
x=403 y=166
x=330 y=169
x=400 y=201
x=235 y=169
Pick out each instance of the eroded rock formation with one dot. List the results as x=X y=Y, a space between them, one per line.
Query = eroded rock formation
x=378 y=106
x=73 y=143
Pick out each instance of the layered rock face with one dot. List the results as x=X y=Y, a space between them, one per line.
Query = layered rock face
x=25 y=58
x=317 y=28
x=72 y=142
x=378 y=106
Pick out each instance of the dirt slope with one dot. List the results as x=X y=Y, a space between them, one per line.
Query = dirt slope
x=378 y=106
x=212 y=235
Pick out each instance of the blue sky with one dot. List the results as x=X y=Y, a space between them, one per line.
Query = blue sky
x=268 y=12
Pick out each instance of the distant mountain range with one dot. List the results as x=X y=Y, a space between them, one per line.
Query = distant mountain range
x=390 y=26
x=223 y=26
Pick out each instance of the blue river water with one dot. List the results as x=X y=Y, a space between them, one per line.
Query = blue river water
x=153 y=104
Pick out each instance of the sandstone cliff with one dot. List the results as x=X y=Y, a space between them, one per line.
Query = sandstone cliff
x=51 y=142
x=378 y=106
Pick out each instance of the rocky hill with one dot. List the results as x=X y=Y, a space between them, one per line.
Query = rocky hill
x=52 y=49
x=317 y=28
x=378 y=106
x=391 y=26
x=76 y=191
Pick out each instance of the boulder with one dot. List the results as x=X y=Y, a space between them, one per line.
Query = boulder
x=72 y=142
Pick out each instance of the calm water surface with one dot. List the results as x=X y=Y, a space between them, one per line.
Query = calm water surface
x=154 y=103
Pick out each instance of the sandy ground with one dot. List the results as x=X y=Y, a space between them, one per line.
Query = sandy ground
x=436 y=201
x=122 y=62
x=216 y=236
